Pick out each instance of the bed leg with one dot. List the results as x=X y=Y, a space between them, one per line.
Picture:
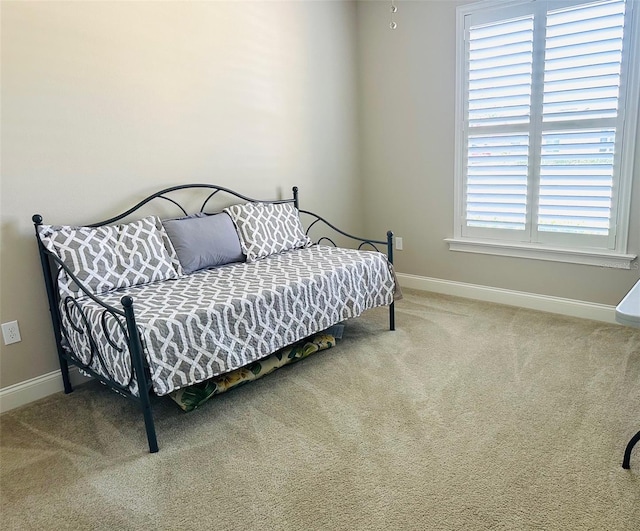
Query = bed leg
x=149 y=425
x=66 y=381
x=626 y=461
x=392 y=306
x=53 y=306
x=135 y=348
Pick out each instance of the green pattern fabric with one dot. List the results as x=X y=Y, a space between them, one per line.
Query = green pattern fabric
x=192 y=397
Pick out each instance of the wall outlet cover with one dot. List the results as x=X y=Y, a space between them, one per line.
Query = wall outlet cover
x=11 y=332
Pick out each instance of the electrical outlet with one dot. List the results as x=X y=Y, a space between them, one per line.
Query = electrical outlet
x=11 y=332
x=398 y=243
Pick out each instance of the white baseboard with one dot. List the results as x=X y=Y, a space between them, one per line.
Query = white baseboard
x=36 y=388
x=532 y=301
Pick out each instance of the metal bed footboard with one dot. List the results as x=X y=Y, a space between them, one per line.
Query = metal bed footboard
x=52 y=267
x=363 y=242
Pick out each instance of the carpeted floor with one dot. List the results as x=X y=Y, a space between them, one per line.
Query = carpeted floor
x=469 y=416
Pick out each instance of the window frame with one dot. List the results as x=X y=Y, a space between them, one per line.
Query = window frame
x=560 y=250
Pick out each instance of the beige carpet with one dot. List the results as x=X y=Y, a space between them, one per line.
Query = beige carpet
x=469 y=416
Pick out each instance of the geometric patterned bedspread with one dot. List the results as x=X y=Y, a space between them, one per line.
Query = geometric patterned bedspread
x=217 y=320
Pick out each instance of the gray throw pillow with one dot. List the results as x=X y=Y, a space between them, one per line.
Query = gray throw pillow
x=203 y=241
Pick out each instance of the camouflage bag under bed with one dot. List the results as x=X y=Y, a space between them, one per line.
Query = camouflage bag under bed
x=189 y=398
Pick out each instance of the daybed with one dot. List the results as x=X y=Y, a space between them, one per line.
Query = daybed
x=153 y=306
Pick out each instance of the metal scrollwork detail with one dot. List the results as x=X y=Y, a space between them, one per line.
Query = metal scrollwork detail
x=83 y=341
x=115 y=331
x=370 y=244
x=327 y=239
x=364 y=242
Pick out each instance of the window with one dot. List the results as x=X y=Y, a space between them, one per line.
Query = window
x=547 y=107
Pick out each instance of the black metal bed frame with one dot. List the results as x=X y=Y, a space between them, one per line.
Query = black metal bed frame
x=52 y=267
x=626 y=459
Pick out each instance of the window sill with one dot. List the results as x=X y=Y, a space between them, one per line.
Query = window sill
x=596 y=258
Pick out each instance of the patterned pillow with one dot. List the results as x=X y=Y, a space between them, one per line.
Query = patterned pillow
x=111 y=257
x=267 y=228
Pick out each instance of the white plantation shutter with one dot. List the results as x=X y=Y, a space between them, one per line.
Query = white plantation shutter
x=543 y=89
x=499 y=98
x=500 y=60
x=583 y=59
x=497 y=181
x=576 y=182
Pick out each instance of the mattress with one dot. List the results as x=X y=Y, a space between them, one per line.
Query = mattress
x=215 y=321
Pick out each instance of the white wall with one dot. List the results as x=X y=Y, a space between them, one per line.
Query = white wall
x=106 y=102
x=407 y=80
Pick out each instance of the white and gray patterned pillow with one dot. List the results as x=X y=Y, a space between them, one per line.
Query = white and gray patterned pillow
x=111 y=257
x=267 y=228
